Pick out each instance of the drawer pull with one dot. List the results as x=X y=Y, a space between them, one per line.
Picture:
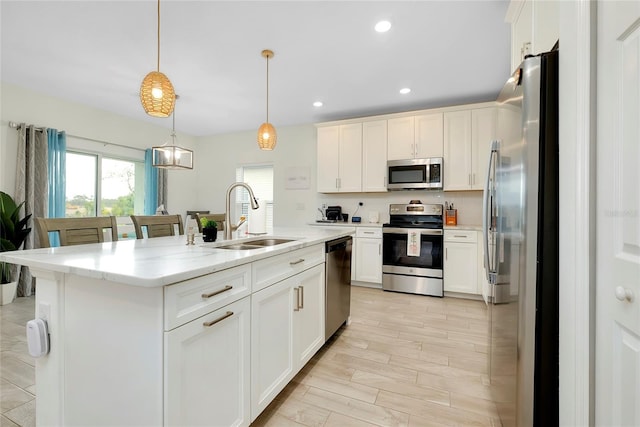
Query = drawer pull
x=213 y=322
x=368 y=232
x=460 y=237
x=296 y=262
x=219 y=291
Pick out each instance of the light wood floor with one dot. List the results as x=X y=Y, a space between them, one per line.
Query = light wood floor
x=405 y=360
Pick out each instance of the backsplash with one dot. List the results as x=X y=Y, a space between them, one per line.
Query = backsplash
x=468 y=203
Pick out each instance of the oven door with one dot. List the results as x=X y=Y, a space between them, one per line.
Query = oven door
x=395 y=257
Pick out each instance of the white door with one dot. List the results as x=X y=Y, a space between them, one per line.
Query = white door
x=374 y=156
x=460 y=267
x=618 y=215
x=350 y=158
x=429 y=135
x=272 y=362
x=207 y=369
x=308 y=320
x=484 y=123
x=457 y=150
x=401 y=138
x=328 y=158
x=368 y=260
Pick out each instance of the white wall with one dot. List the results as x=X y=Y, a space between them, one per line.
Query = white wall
x=20 y=105
x=219 y=156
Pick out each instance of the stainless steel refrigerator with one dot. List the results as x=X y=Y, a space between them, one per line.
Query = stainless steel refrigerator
x=521 y=249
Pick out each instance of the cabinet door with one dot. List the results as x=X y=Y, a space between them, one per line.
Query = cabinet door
x=460 y=267
x=522 y=34
x=308 y=319
x=350 y=158
x=429 y=135
x=483 y=131
x=328 y=158
x=207 y=369
x=271 y=343
x=374 y=156
x=401 y=138
x=457 y=150
x=368 y=260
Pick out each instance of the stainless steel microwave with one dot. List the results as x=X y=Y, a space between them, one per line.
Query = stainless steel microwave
x=415 y=174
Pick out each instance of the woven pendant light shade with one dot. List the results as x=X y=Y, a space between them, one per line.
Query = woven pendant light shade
x=157 y=95
x=267 y=137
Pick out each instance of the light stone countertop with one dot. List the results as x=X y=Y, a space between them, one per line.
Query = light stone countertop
x=164 y=260
x=463 y=227
x=347 y=224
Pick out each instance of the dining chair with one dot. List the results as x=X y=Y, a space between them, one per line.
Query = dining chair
x=76 y=231
x=219 y=218
x=157 y=225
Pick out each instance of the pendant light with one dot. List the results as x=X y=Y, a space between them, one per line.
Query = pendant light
x=156 y=92
x=267 y=136
x=172 y=156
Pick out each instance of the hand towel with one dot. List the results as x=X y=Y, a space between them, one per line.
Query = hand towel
x=413 y=243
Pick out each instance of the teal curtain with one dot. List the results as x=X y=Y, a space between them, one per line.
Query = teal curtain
x=150 y=184
x=57 y=171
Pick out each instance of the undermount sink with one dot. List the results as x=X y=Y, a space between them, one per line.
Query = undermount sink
x=254 y=244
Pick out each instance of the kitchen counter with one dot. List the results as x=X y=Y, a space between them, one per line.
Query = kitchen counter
x=347 y=224
x=164 y=260
x=463 y=227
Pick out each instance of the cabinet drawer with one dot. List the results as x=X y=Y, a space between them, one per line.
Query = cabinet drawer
x=271 y=270
x=465 y=236
x=371 y=232
x=193 y=298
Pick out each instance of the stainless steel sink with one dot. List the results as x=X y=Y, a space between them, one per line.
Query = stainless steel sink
x=254 y=244
x=267 y=242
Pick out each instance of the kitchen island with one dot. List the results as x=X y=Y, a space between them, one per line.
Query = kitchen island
x=155 y=332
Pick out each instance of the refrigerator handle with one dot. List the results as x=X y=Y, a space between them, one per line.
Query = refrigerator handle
x=486 y=214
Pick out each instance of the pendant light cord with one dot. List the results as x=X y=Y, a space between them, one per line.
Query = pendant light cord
x=267 y=89
x=158 y=66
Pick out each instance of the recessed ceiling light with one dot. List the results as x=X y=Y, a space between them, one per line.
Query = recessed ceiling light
x=383 y=26
x=405 y=90
x=318 y=104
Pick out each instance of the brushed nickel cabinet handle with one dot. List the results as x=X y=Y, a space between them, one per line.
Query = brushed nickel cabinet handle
x=213 y=322
x=297 y=291
x=219 y=291
x=296 y=262
x=301 y=296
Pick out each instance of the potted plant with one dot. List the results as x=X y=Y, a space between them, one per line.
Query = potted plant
x=13 y=232
x=209 y=229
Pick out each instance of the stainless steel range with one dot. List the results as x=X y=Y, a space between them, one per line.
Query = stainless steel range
x=412 y=249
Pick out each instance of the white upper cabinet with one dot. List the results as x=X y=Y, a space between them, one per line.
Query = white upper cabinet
x=401 y=142
x=457 y=150
x=535 y=27
x=429 y=135
x=484 y=123
x=340 y=158
x=467 y=141
x=374 y=156
x=415 y=137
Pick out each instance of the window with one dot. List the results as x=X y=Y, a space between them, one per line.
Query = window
x=260 y=179
x=105 y=183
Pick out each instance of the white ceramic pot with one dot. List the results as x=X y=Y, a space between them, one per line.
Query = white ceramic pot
x=8 y=292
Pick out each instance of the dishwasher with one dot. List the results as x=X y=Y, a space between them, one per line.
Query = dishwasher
x=337 y=284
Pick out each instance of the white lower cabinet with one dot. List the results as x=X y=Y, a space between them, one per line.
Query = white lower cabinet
x=207 y=369
x=368 y=255
x=287 y=328
x=460 y=261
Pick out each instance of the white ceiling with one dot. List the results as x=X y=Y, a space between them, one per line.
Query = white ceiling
x=97 y=53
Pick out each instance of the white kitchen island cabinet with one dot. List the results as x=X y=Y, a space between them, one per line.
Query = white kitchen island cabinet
x=287 y=329
x=154 y=332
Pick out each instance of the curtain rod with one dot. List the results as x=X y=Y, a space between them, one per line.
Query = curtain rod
x=15 y=125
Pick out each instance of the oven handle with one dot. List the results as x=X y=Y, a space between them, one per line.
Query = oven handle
x=423 y=231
